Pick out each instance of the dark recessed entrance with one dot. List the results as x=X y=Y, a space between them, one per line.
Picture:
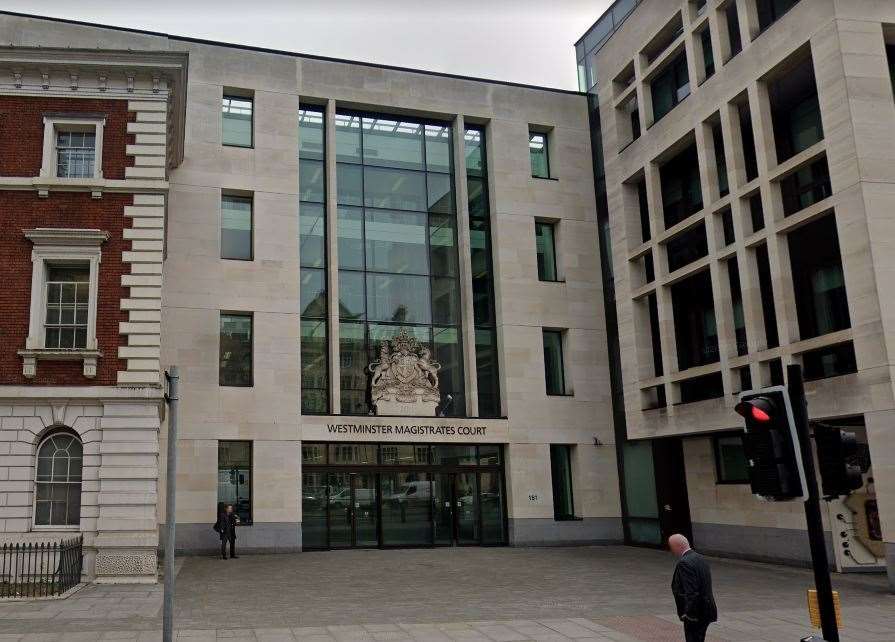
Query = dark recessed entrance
x=401 y=495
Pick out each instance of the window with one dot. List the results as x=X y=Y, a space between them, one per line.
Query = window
x=695 y=331
x=720 y=160
x=733 y=28
x=756 y=212
x=681 y=188
x=643 y=208
x=312 y=216
x=58 y=481
x=236 y=227
x=702 y=388
x=64 y=292
x=736 y=300
x=540 y=159
x=235 y=477
x=727 y=226
x=561 y=473
x=795 y=110
x=817 y=278
x=68 y=293
x=768 y=311
x=708 y=57
x=805 y=187
x=75 y=154
x=546 y=246
x=484 y=315
x=748 y=138
x=236 y=349
x=831 y=361
x=688 y=246
x=670 y=87
x=731 y=466
x=770 y=11
x=236 y=121
x=554 y=367
x=73 y=147
x=398 y=258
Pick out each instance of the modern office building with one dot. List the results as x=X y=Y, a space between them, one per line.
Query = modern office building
x=745 y=184
x=380 y=287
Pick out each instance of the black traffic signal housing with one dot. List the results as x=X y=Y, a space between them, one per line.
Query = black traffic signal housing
x=835 y=450
x=771 y=444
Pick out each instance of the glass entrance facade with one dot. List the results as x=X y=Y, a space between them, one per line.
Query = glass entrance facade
x=400 y=495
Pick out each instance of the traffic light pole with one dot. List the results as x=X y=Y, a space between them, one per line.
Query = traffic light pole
x=812 y=508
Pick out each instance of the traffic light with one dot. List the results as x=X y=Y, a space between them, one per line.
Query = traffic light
x=835 y=448
x=771 y=444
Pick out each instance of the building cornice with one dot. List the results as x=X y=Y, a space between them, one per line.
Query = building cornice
x=66 y=236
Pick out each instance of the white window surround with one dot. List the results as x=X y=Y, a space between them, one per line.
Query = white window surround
x=57 y=123
x=61 y=246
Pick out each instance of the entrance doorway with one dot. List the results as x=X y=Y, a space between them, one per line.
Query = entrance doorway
x=671 y=489
x=422 y=496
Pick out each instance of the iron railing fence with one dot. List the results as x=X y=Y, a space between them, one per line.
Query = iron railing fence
x=40 y=569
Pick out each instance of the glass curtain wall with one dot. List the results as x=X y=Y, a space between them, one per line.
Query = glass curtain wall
x=487 y=381
x=397 y=249
x=312 y=258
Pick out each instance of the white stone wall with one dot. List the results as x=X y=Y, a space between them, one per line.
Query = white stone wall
x=119 y=491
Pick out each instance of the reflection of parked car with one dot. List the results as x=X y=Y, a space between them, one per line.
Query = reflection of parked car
x=361 y=496
x=412 y=491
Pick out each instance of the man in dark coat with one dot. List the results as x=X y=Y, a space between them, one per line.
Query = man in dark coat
x=226 y=528
x=692 y=588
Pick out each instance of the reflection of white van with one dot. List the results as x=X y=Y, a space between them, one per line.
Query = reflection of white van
x=413 y=491
x=361 y=496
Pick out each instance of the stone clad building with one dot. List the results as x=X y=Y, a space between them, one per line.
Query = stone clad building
x=746 y=184
x=421 y=309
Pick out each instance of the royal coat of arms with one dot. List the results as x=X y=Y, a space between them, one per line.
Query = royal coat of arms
x=404 y=380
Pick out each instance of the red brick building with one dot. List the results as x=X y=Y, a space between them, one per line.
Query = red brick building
x=88 y=140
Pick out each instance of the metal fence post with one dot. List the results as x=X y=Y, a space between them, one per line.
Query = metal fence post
x=171 y=397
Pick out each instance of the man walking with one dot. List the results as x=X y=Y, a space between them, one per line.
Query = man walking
x=692 y=589
x=226 y=527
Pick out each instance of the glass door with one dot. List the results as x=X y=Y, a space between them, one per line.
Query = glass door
x=364 y=509
x=339 y=510
x=466 y=508
x=442 y=508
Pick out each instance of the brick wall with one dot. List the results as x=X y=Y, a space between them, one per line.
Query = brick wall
x=21 y=210
x=22 y=132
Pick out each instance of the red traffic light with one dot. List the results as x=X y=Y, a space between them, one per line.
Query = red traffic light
x=759 y=409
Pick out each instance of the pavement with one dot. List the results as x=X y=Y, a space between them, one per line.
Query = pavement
x=606 y=593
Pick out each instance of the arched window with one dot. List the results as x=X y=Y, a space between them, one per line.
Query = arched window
x=59 y=463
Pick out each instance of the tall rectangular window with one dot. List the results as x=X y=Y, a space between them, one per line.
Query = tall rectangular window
x=795 y=110
x=806 y=186
x=768 y=311
x=695 y=330
x=546 y=247
x=708 y=56
x=681 y=188
x=312 y=258
x=235 y=360
x=398 y=259
x=484 y=314
x=720 y=159
x=670 y=87
x=235 y=477
x=554 y=365
x=736 y=300
x=733 y=28
x=818 y=281
x=748 y=137
x=236 y=121
x=236 y=227
x=540 y=158
x=68 y=295
x=561 y=474
x=643 y=208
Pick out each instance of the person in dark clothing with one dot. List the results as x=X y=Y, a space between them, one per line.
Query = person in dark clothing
x=226 y=528
x=692 y=589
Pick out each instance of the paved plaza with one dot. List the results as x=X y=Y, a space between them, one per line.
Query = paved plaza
x=488 y=594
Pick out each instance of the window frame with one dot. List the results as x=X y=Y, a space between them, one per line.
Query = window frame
x=532 y=133
x=716 y=455
x=55 y=123
x=251 y=316
x=250 y=198
x=566 y=389
x=56 y=527
x=53 y=246
x=239 y=95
